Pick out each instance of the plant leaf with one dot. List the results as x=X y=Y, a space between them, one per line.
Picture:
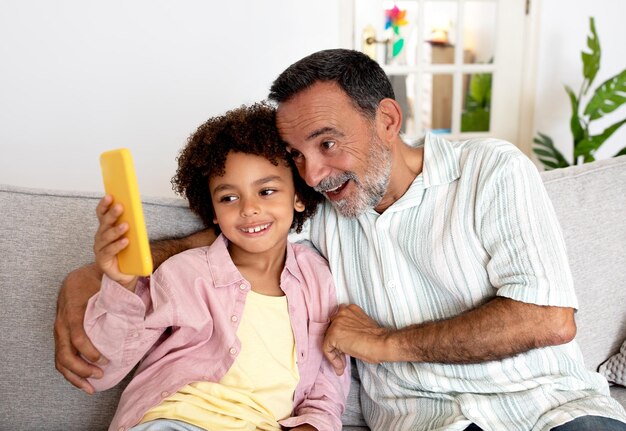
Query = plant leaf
x=609 y=96
x=549 y=165
x=594 y=142
x=621 y=152
x=591 y=60
x=584 y=148
x=480 y=89
x=578 y=132
x=547 y=153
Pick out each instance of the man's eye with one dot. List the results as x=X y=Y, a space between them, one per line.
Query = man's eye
x=328 y=144
x=295 y=155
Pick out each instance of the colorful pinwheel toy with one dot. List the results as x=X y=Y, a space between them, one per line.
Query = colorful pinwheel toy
x=394 y=19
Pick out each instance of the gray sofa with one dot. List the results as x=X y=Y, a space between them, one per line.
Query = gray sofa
x=45 y=234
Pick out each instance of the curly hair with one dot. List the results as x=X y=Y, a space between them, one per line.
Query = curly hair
x=248 y=130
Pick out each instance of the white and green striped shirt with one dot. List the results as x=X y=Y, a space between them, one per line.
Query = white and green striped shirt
x=476 y=223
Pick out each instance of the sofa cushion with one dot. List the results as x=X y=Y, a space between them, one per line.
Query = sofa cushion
x=590 y=203
x=615 y=368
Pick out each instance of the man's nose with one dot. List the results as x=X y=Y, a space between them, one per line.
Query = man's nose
x=313 y=172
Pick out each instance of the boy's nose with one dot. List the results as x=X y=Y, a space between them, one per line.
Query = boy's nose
x=249 y=208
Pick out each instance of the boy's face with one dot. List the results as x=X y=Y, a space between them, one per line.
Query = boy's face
x=254 y=203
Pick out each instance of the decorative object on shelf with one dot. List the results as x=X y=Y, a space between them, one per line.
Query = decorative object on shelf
x=439 y=36
x=607 y=97
x=394 y=19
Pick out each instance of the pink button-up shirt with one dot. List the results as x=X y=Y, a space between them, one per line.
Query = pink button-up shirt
x=185 y=318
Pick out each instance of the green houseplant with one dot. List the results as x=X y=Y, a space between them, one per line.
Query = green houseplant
x=606 y=98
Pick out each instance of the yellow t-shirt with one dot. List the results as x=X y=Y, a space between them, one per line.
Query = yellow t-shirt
x=258 y=389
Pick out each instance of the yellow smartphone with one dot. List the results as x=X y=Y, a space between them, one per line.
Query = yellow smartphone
x=120 y=182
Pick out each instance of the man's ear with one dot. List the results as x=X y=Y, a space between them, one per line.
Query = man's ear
x=389 y=118
x=297 y=204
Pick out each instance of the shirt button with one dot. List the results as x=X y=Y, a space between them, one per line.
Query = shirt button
x=234 y=318
x=242 y=286
x=164 y=394
x=120 y=429
x=233 y=351
x=391 y=284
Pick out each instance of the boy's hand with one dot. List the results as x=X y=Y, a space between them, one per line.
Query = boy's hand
x=110 y=240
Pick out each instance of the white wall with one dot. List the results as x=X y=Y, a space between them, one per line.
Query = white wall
x=564 y=27
x=78 y=77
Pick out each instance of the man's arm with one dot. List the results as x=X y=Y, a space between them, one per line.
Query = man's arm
x=70 y=339
x=498 y=329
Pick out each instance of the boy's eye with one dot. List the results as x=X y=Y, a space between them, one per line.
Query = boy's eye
x=228 y=198
x=267 y=192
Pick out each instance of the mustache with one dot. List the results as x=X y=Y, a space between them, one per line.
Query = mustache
x=334 y=182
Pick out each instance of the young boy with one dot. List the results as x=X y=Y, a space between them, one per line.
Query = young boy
x=230 y=334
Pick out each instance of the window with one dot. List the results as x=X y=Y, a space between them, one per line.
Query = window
x=456 y=65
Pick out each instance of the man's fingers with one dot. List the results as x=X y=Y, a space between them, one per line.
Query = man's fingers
x=67 y=358
x=339 y=363
x=337 y=359
x=83 y=346
x=335 y=356
x=79 y=382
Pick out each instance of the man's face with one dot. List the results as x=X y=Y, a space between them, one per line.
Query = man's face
x=335 y=148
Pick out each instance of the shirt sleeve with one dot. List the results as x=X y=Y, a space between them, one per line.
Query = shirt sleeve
x=521 y=233
x=123 y=326
x=323 y=406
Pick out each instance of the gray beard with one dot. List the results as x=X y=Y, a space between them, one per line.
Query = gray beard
x=369 y=191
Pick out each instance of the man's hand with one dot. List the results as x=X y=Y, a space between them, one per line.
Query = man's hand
x=353 y=332
x=70 y=339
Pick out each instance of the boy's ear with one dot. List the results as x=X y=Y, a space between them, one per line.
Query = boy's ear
x=297 y=204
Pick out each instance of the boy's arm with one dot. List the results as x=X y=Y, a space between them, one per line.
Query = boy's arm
x=124 y=325
x=70 y=339
x=325 y=402
x=323 y=406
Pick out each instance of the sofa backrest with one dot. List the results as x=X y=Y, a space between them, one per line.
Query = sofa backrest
x=590 y=203
x=43 y=236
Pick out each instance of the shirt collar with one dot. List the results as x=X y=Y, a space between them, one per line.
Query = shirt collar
x=440 y=166
x=441 y=161
x=224 y=271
